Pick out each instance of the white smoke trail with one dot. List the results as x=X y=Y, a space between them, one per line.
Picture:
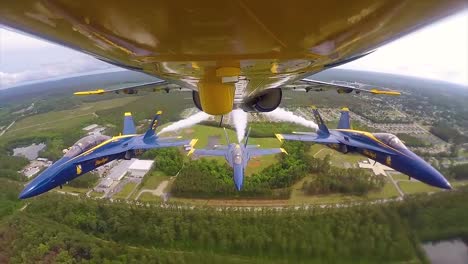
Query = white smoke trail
x=187 y=122
x=239 y=118
x=279 y=114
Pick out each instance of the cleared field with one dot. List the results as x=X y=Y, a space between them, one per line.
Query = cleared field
x=299 y=197
x=409 y=187
x=70 y=189
x=203 y=133
x=148 y=197
x=459 y=183
x=388 y=191
x=126 y=190
x=72 y=118
x=399 y=177
x=338 y=159
x=96 y=194
x=153 y=180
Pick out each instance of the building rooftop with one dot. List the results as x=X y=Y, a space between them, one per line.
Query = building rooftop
x=376 y=167
x=141 y=165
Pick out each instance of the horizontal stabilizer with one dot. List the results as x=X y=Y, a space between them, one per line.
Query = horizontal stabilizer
x=308 y=138
x=263 y=152
x=151 y=132
x=129 y=125
x=344 y=122
x=318 y=119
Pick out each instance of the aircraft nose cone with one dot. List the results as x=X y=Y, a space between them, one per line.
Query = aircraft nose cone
x=434 y=177
x=28 y=192
x=238 y=177
x=42 y=183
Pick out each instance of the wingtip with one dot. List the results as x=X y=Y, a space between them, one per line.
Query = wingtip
x=284 y=151
x=345 y=109
x=128 y=113
x=279 y=137
x=313 y=107
x=191 y=152
x=98 y=91
x=193 y=142
x=159 y=112
x=384 y=92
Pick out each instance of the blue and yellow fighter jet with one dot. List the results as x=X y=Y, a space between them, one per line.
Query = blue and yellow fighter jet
x=237 y=155
x=381 y=147
x=94 y=151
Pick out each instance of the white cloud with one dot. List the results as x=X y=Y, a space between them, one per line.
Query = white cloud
x=12 y=41
x=439 y=51
x=78 y=64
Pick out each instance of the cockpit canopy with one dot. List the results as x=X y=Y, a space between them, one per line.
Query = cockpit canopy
x=84 y=144
x=391 y=140
x=237 y=158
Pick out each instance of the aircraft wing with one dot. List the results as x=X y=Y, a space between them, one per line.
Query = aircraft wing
x=155 y=86
x=186 y=42
x=253 y=152
x=361 y=145
x=162 y=143
x=208 y=152
x=315 y=85
x=308 y=138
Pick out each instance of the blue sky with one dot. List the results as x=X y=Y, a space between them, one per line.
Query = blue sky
x=439 y=51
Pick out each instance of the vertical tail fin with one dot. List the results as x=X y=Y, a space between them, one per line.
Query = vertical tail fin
x=322 y=127
x=345 y=122
x=226 y=135
x=247 y=137
x=152 y=128
x=129 y=125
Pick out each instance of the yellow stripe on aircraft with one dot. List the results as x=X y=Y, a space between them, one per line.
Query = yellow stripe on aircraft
x=376 y=91
x=191 y=152
x=193 y=142
x=279 y=137
x=98 y=91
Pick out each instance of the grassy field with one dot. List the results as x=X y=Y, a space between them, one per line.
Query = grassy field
x=299 y=197
x=153 y=180
x=96 y=194
x=66 y=119
x=399 y=176
x=410 y=187
x=148 y=197
x=388 y=191
x=126 y=190
x=70 y=189
x=459 y=183
x=337 y=158
x=203 y=133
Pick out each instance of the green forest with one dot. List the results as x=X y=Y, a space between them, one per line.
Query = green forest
x=57 y=228
x=208 y=178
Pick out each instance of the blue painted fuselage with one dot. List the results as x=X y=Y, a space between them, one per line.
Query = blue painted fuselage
x=392 y=153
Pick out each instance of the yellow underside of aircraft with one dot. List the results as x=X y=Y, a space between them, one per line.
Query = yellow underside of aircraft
x=215 y=47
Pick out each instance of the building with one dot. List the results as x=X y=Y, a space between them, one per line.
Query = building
x=140 y=167
x=376 y=167
x=90 y=127
x=106 y=183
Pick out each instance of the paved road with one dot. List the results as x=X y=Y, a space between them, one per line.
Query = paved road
x=159 y=191
x=402 y=195
x=5 y=130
